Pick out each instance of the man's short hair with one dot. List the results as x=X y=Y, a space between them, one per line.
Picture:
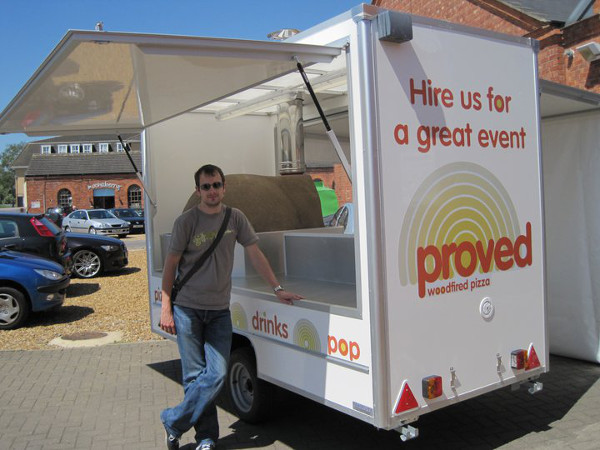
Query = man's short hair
x=210 y=170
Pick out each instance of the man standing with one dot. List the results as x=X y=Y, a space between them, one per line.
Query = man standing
x=200 y=316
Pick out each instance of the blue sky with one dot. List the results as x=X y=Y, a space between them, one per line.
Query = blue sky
x=30 y=29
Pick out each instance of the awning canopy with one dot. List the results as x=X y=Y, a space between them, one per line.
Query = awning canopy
x=558 y=100
x=124 y=82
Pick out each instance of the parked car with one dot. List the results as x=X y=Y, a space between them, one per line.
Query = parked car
x=34 y=234
x=84 y=254
x=95 y=221
x=94 y=255
x=57 y=213
x=136 y=222
x=28 y=283
x=344 y=217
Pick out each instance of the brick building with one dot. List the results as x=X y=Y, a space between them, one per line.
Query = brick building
x=78 y=171
x=334 y=177
x=562 y=27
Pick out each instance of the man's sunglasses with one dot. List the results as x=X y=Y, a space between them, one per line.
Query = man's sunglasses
x=207 y=186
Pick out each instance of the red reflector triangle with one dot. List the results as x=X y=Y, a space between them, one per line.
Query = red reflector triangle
x=532 y=359
x=406 y=400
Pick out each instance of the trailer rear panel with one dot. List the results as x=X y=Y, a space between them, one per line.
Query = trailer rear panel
x=461 y=214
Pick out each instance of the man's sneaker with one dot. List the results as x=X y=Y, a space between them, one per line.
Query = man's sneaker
x=171 y=441
x=206 y=445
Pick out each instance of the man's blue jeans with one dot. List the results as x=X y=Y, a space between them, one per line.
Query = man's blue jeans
x=204 y=341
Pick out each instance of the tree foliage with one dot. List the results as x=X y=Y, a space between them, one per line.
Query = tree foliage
x=7 y=175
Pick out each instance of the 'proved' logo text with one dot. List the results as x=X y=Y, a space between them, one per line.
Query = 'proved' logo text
x=466 y=257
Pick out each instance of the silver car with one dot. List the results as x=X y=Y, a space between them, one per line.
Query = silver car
x=95 y=221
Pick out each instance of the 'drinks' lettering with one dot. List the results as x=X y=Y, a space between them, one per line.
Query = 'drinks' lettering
x=504 y=253
x=270 y=326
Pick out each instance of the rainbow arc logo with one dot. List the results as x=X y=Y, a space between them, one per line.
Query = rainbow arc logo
x=238 y=316
x=306 y=336
x=463 y=210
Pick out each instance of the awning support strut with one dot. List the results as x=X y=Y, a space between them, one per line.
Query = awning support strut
x=332 y=136
x=127 y=149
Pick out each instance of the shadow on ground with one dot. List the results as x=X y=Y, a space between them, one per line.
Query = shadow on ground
x=488 y=421
x=120 y=272
x=170 y=369
x=80 y=289
x=65 y=314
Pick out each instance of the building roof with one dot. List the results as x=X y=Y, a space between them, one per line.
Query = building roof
x=552 y=10
x=23 y=159
x=82 y=164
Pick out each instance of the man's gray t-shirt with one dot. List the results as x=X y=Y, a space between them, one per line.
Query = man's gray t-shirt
x=193 y=232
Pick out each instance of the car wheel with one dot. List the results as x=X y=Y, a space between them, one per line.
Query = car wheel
x=121 y=236
x=249 y=396
x=92 y=230
x=87 y=263
x=68 y=229
x=14 y=308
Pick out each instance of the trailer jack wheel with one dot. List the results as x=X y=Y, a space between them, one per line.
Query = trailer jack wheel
x=408 y=432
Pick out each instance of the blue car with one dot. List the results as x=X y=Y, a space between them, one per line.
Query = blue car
x=28 y=283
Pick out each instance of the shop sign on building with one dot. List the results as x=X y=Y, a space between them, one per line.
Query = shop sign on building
x=104 y=184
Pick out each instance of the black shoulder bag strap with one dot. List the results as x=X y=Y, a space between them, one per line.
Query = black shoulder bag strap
x=179 y=283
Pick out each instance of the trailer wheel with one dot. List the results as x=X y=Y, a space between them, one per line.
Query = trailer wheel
x=249 y=396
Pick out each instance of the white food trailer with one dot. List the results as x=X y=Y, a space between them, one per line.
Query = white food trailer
x=438 y=295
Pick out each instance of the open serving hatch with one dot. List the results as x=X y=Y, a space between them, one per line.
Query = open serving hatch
x=123 y=82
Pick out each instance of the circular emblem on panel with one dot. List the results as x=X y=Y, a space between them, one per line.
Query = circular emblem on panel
x=238 y=317
x=306 y=336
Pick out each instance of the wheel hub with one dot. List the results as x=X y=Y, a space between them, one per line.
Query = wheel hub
x=8 y=308
x=86 y=263
x=242 y=387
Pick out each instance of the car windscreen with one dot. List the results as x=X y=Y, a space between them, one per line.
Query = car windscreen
x=125 y=213
x=100 y=215
x=51 y=225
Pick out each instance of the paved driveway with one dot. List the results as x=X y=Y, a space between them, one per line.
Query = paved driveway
x=110 y=397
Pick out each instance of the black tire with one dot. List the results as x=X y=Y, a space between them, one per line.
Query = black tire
x=121 y=236
x=14 y=308
x=249 y=397
x=68 y=229
x=87 y=263
x=92 y=230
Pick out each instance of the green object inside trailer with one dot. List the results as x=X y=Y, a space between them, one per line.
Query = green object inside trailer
x=329 y=201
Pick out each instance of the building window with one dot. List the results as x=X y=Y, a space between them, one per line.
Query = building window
x=74 y=148
x=87 y=148
x=134 y=196
x=64 y=198
x=120 y=147
x=46 y=149
x=63 y=148
x=104 y=147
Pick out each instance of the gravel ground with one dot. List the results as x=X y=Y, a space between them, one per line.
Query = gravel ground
x=115 y=301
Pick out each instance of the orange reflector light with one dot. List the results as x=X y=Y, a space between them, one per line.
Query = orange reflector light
x=518 y=359
x=532 y=359
x=406 y=400
x=432 y=386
